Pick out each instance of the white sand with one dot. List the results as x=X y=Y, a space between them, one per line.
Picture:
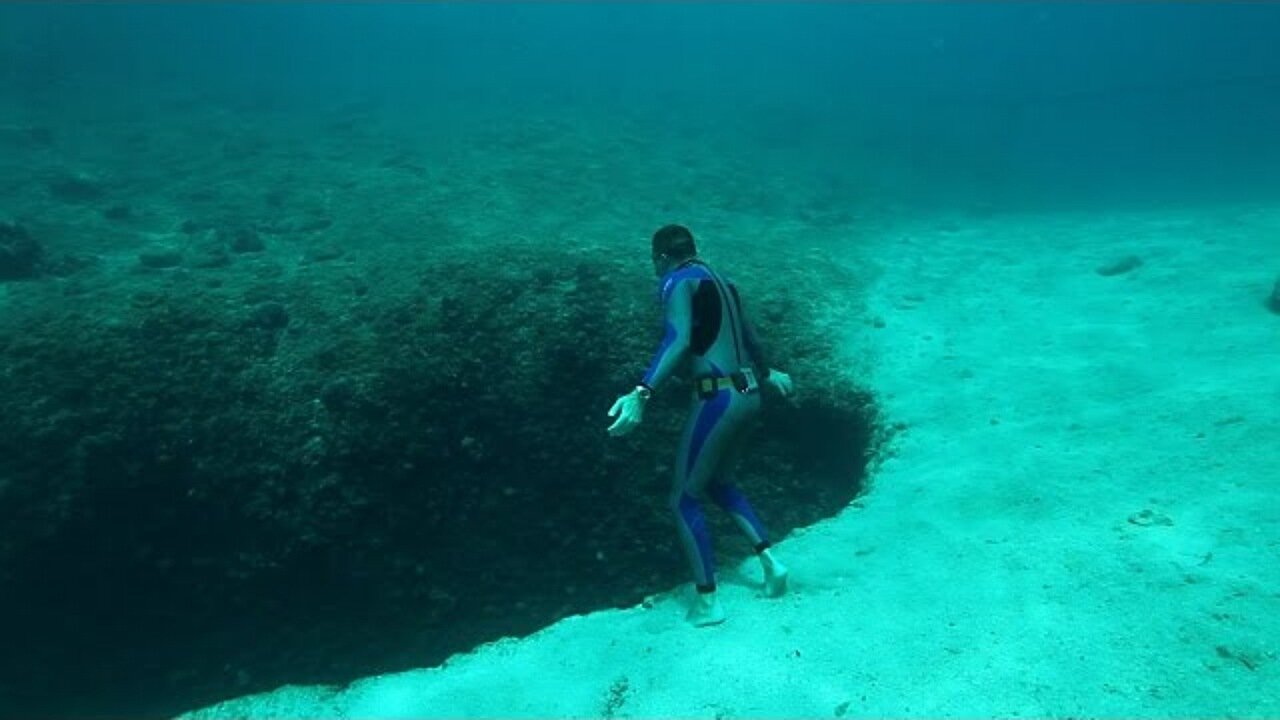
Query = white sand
x=993 y=570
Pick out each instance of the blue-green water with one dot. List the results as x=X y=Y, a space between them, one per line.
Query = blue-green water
x=1004 y=104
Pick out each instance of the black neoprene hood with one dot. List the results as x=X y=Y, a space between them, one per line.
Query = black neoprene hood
x=674 y=241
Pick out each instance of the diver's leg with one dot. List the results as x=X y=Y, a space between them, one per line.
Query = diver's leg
x=696 y=538
x=730 y=499
x=726 y=494
x=705 y=438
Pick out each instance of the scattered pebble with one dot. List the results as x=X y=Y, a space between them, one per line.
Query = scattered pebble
x=270 y=315
x=324 y=253
x=159 y=258
x=312 y=225
x=77 y=187
x=242 y=240
x=118 y=212
x=1244 y=659
x=338 y=394
x=1148 y=517
x=211 y=255
x=40 y=136
x=1120 y=266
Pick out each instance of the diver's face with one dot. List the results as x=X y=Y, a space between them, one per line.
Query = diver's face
x=660 y=265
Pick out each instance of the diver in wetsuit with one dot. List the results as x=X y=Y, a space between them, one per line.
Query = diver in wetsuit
x=707 y=335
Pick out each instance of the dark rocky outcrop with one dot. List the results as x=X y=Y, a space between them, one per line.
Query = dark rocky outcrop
x=76 y=188
x=20 y=254
x=213 y=489
x=118 y=213
x=160 y=257
x=241 y=239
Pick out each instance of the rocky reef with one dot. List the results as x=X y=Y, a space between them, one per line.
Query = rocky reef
x=217 y=480
x=20 y=254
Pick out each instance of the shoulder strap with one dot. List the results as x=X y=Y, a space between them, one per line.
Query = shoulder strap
x=729 y=308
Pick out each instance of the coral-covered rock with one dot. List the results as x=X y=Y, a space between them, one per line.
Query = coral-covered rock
x=263 y=468
x=241 y=239
x=269 y=316
x=20 y=254
x=119 y=212
x=160 y=257
x=77 y=187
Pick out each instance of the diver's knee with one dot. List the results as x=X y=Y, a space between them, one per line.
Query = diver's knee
x=681 y=501
x=721 y=492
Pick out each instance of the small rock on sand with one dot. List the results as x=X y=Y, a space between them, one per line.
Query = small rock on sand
x=1120 y=266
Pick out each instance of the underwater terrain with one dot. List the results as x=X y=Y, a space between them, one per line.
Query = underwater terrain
x=310 y=317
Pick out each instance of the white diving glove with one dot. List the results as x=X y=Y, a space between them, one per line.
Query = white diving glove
x=780 y=382
x=629 y=409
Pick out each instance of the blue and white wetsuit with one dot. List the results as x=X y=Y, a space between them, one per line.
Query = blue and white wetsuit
x=707 y=335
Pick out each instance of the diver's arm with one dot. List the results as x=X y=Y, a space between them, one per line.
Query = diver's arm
x=677 y=302
x=755 y=349
x=779 y=380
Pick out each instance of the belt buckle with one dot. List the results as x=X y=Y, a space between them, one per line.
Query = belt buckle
x=750 y=384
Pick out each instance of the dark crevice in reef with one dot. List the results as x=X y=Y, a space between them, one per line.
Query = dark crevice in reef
x=198 y=505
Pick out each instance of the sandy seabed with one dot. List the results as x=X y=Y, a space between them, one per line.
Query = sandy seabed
x=1080 y=518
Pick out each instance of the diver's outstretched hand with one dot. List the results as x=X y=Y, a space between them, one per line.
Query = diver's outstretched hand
x=629 y=409
x=781 y=382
